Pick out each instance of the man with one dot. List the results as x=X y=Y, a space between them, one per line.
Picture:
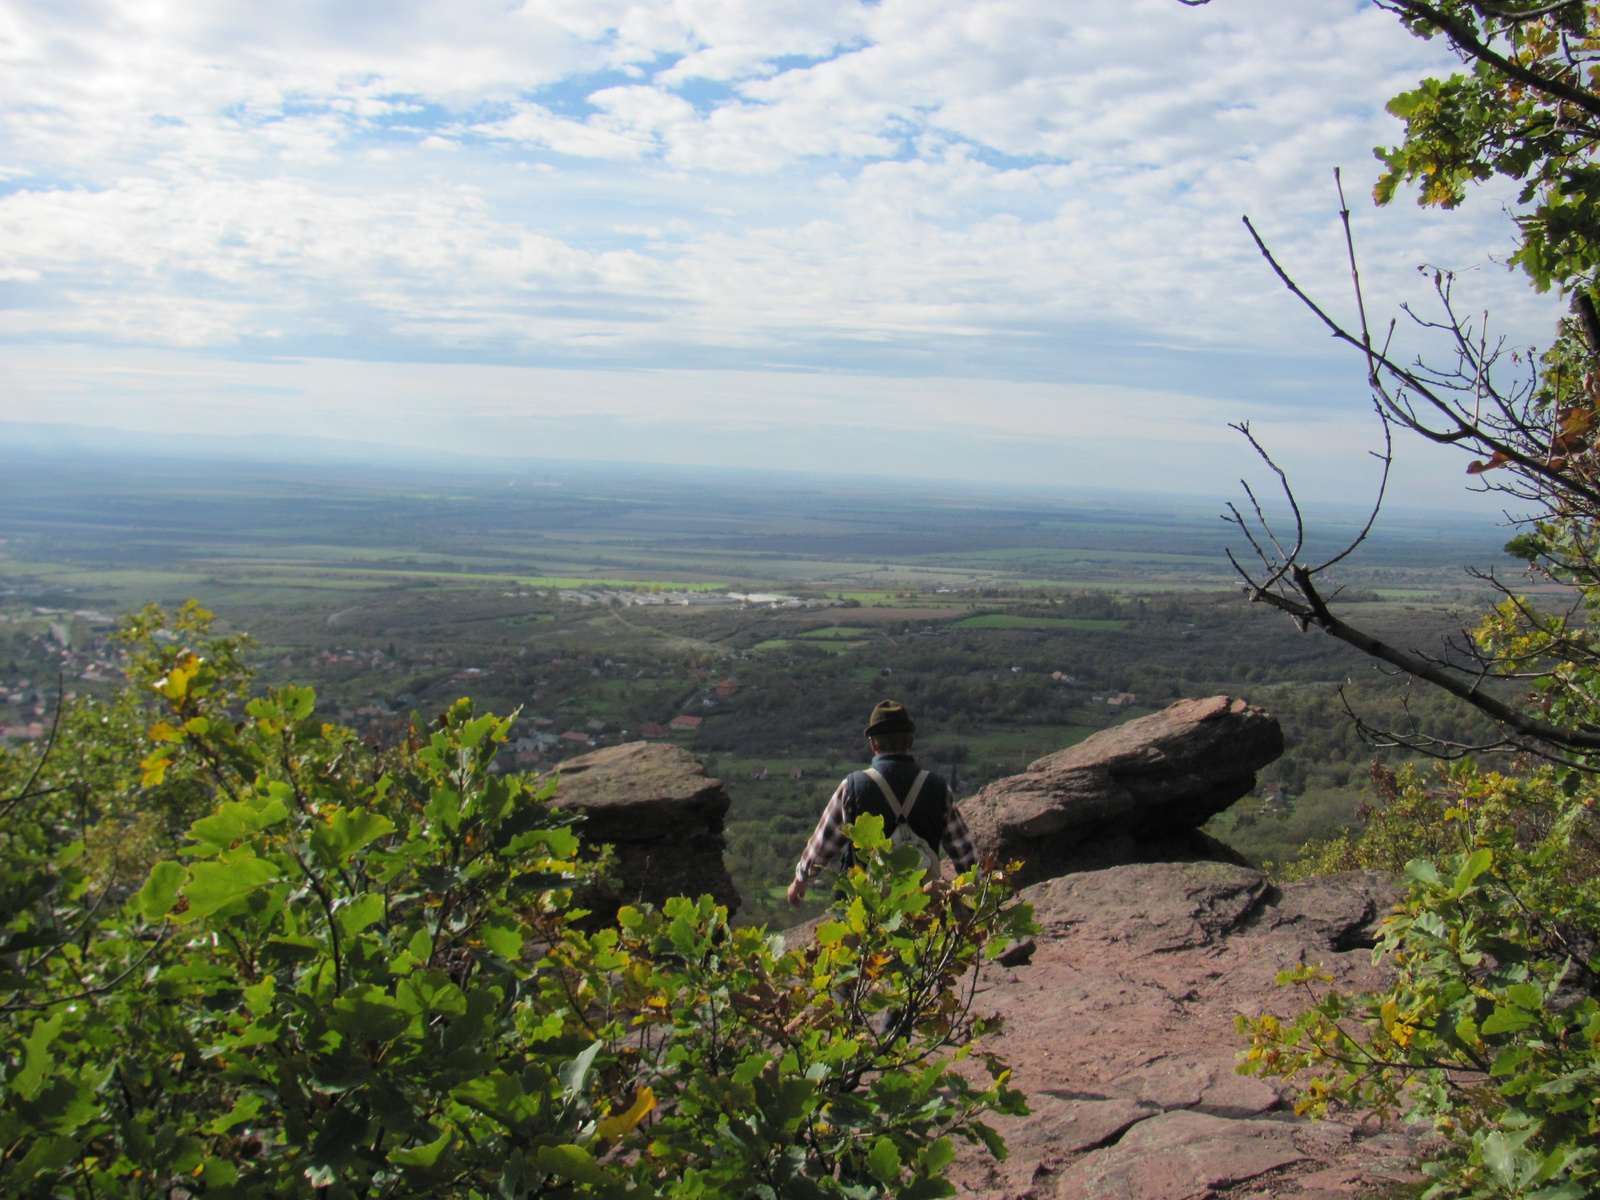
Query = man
x=929 y=809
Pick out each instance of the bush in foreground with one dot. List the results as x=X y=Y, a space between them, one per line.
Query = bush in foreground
x=355 y=974
x=1491 y=1028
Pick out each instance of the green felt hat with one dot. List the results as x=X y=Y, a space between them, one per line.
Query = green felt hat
x=890 y=717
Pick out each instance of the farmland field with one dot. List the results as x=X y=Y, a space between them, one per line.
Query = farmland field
x=1011 y=625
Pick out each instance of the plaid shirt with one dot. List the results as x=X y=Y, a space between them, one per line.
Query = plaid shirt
x=828 y=839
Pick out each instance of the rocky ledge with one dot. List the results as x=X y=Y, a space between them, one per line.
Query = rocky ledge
x=1137 y=792
x=663 y=813
x=1120 y=1030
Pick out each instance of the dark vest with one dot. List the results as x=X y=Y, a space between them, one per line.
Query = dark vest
x=927 y=819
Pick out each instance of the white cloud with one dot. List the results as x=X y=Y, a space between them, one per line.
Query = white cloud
x=1018 y=188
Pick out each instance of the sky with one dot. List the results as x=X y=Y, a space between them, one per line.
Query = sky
x=988 y=240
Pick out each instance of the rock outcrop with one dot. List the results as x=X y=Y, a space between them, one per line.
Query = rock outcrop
x=1138 y=792
x=1120 y=1030
x=663 y=813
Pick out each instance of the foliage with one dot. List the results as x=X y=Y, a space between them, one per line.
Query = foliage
x=1526 y=110
x=1491 y=1027
x=356 y=974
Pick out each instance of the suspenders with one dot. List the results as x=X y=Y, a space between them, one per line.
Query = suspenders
x=900 y=811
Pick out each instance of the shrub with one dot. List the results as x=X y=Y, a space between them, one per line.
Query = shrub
x=355 y=973
x=1491 y=1026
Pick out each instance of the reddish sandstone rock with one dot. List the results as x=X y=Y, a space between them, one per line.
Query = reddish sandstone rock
x=663 y=813
x=1120 y=1030
x=1181 y=1156
x=1138 y=792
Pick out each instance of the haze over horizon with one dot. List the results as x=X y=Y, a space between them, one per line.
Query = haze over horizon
x=1001 y=238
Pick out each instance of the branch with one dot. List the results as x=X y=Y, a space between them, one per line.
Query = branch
x=1315 y=611
x=1466 y=38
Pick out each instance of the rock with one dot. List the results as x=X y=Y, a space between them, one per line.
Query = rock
x=1129 y=999
x=663 y=813
x=1138 y=792
x=1180 y=1156
x=1209 y=1086
x=1060 y=1127
x=1337 y=912
x=1149 y=907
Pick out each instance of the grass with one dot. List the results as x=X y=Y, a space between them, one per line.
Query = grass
x=1005 y=621
x=838 y=632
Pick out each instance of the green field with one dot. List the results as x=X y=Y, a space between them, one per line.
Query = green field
x=1008 y=621
x=1002 y=622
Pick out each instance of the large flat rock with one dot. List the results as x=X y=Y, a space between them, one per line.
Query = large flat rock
x=1136 y=792
x=1120 y=1031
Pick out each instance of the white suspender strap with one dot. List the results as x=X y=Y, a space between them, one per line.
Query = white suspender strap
x=899 y=810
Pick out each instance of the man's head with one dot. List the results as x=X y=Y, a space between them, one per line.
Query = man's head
x=891 y=729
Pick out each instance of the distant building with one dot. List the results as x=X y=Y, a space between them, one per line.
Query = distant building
x=727 y=688
x=797 y=773
x=758 y=773
x=653 y=731
x=1063 y=677
x=574 y=735
x=1122 y=700
x=683 y=723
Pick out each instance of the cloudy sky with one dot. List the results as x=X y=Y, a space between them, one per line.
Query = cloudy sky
x=986 y=239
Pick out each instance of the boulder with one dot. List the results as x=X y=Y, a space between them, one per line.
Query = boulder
x=1137 y=792
x=664 y=815
x=1181 y=1156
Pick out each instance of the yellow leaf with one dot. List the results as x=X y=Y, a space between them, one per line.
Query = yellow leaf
x=155 y=769
x=620 y=1124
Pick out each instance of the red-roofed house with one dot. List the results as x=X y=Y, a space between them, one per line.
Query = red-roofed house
x=685 y=723
x=653 y=731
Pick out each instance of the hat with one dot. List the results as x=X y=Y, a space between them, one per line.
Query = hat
x=890 y=717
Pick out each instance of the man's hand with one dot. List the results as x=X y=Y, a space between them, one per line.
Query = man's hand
x=797 y=892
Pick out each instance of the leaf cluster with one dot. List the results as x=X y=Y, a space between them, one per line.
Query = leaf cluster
x=1491 y=1027
x=360 y=972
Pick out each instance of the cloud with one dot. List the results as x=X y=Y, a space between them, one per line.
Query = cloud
x=1043 y=190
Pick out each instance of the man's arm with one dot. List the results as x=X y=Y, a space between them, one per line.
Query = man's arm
x=957 y=840
x=826 y=842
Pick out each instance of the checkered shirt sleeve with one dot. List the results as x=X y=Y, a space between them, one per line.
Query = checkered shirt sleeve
x=957 y=841
x=828 y=839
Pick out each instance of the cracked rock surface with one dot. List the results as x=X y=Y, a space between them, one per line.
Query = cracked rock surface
x=1120 y=1030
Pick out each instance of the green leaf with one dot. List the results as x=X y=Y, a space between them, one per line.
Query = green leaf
x=160 y=890
x=422 y=1156
x=1525 y=995
x=575 y=1163
x=499 y=1096
x=367 y=1012
x=214 y=885
x=1477 y=863
x=575 y=1071
x=883 y=1160
x=346 y=832
x=236 y=822
x=1505 y=1020
x=504 y=939
x=37 y=1059
x=938 y=1156
x=359 y=913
